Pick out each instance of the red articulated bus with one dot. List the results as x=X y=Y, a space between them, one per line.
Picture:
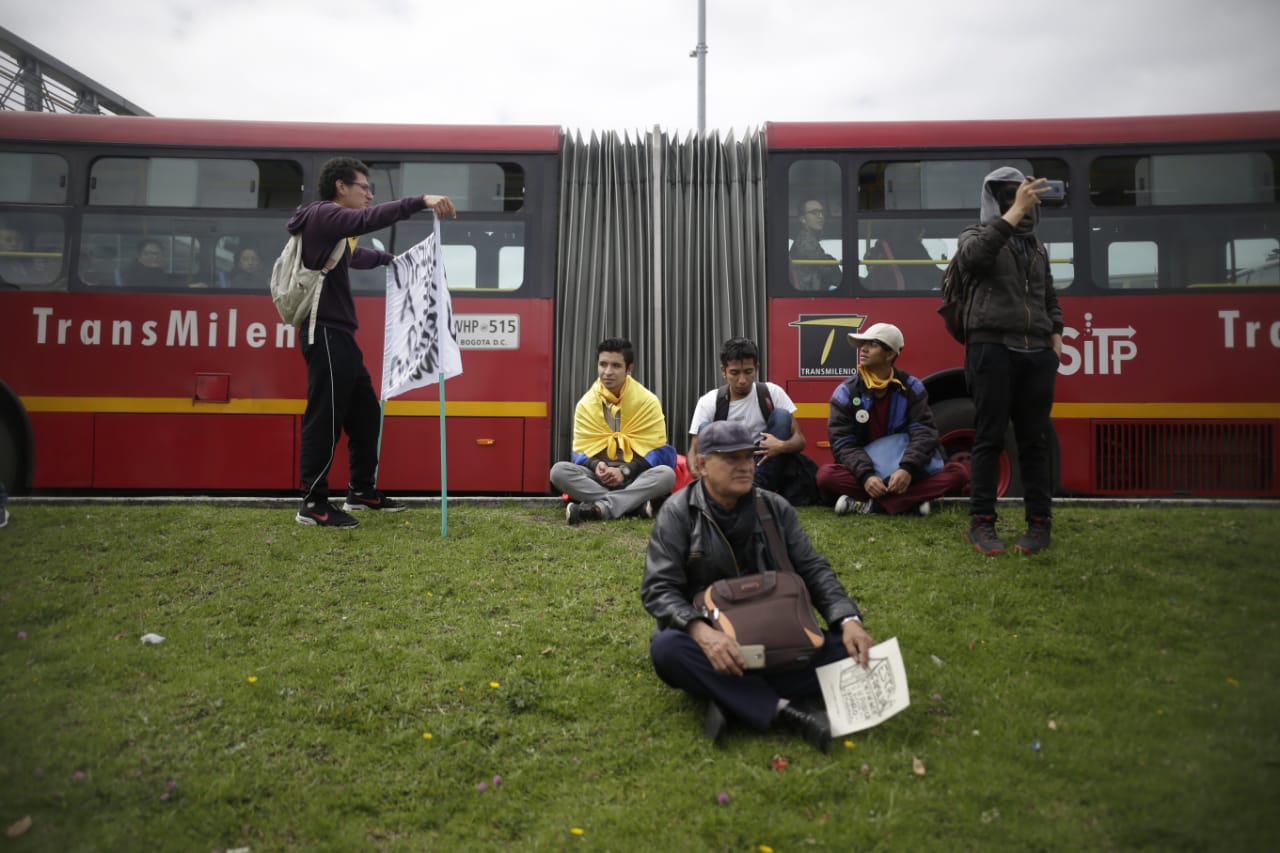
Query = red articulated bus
x=1165 y=253
x=182 y=377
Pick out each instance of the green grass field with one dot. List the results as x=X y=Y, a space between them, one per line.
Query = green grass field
x=350 y=690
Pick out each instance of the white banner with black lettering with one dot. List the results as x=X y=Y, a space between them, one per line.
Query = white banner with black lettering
x=420 y=347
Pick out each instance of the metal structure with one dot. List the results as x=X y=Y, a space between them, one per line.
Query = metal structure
x=699 y=52
x=33 y=81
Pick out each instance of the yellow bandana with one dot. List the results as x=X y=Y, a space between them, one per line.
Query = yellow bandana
x=874 y=383
x=642 y=427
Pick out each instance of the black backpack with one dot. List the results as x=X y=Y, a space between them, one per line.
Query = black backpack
x=957 y=291
x=762 y=395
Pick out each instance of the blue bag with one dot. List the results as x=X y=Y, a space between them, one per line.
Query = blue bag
x=886 y=455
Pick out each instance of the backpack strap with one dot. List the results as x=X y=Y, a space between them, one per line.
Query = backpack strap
x=771 y=533
x=722 y=404
x=334 y=257
x=763 y=397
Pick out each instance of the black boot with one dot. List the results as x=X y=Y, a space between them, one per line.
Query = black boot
x=812 y=726
x=714 y=723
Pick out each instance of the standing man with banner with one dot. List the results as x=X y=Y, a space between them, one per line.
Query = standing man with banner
x=339 y=390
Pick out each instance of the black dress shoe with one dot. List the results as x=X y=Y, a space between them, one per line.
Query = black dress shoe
x=714 y=723
x=813 y=726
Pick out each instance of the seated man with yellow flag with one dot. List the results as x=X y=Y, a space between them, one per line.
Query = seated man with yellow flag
x=621 y=459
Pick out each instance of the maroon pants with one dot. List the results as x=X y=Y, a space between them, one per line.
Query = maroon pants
x=951 y=480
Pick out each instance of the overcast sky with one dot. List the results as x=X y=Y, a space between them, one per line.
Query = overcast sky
x=601 y=64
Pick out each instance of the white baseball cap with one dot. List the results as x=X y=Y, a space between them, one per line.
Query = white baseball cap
x=883 y=333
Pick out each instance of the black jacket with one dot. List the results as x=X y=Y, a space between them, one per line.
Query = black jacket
x=1013 y=302
x=688 y=551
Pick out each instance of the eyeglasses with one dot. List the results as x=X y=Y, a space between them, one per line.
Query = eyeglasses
x=815 y=212
x=367 y=187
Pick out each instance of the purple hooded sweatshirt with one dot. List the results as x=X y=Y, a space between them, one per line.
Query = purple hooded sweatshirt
x=322 y=224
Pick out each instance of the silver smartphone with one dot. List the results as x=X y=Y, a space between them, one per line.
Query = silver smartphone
x=1057 y=191
x=753 y=655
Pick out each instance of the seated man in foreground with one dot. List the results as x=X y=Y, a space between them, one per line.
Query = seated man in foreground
x=712 y=529
x=621 y=458
x=881 y=403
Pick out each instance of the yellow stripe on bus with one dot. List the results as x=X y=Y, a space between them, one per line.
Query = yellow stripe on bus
x=1135 y=411
x=1169 y=411
x=185 y=405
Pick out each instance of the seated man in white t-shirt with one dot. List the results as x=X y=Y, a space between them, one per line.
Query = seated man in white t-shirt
x=762 y=407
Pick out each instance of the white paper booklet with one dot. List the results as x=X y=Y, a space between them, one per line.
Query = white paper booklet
x=858 y=698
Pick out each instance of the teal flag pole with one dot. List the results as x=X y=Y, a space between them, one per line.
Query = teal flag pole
x=444 y=470
x=382 y=419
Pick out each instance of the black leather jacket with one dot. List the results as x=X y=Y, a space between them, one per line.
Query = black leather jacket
x=688 y=551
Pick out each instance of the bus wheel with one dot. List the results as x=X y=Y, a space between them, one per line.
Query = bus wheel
x=10 y=461
x=954 y=420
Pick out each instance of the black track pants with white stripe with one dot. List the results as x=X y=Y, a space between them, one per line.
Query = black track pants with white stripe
x=340 y=397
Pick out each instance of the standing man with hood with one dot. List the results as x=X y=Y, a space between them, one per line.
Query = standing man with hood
x=1013 y=339
x=340 y=394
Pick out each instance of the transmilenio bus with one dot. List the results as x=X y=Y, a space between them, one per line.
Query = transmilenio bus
x=1165 y=253
x=183 y=378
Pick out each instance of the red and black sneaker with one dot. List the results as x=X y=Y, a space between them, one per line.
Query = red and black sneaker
x=324 y=514
x=982 y=535
x=1037 y=537
x=375 y=499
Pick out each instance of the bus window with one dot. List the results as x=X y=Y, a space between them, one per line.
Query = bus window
x=815 y=246
x=905 y=254
x=31 y=245
x=32 y=178
x=243 y=257
x=167 y=252
x=510 y=267
x=477 y=253
x=1254 y=262
x=941 y=184
x=1132 y=265
x=191 y=182
x=472 y=187
x=460 y=266
x=1196 y=249
x=1184 y=179
x=1056 y=236
x=912 y=254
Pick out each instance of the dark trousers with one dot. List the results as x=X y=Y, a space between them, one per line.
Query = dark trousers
x=769 y=472
x=835 y=479
x=751 y=698
x=340 y=397
x=1007 y=385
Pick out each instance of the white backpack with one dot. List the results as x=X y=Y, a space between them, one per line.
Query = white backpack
x=295 y=289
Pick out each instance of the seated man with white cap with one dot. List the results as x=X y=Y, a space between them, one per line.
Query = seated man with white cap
x=882 y=436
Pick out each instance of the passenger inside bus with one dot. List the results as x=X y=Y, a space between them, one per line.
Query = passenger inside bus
x=901 y=241
x=147 y=267
x=249 y=270
x=811 y=267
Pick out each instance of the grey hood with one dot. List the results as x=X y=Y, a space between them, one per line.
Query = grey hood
x=990 y=207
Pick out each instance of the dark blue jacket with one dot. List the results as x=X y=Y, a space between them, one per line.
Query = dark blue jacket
x=909 y=412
